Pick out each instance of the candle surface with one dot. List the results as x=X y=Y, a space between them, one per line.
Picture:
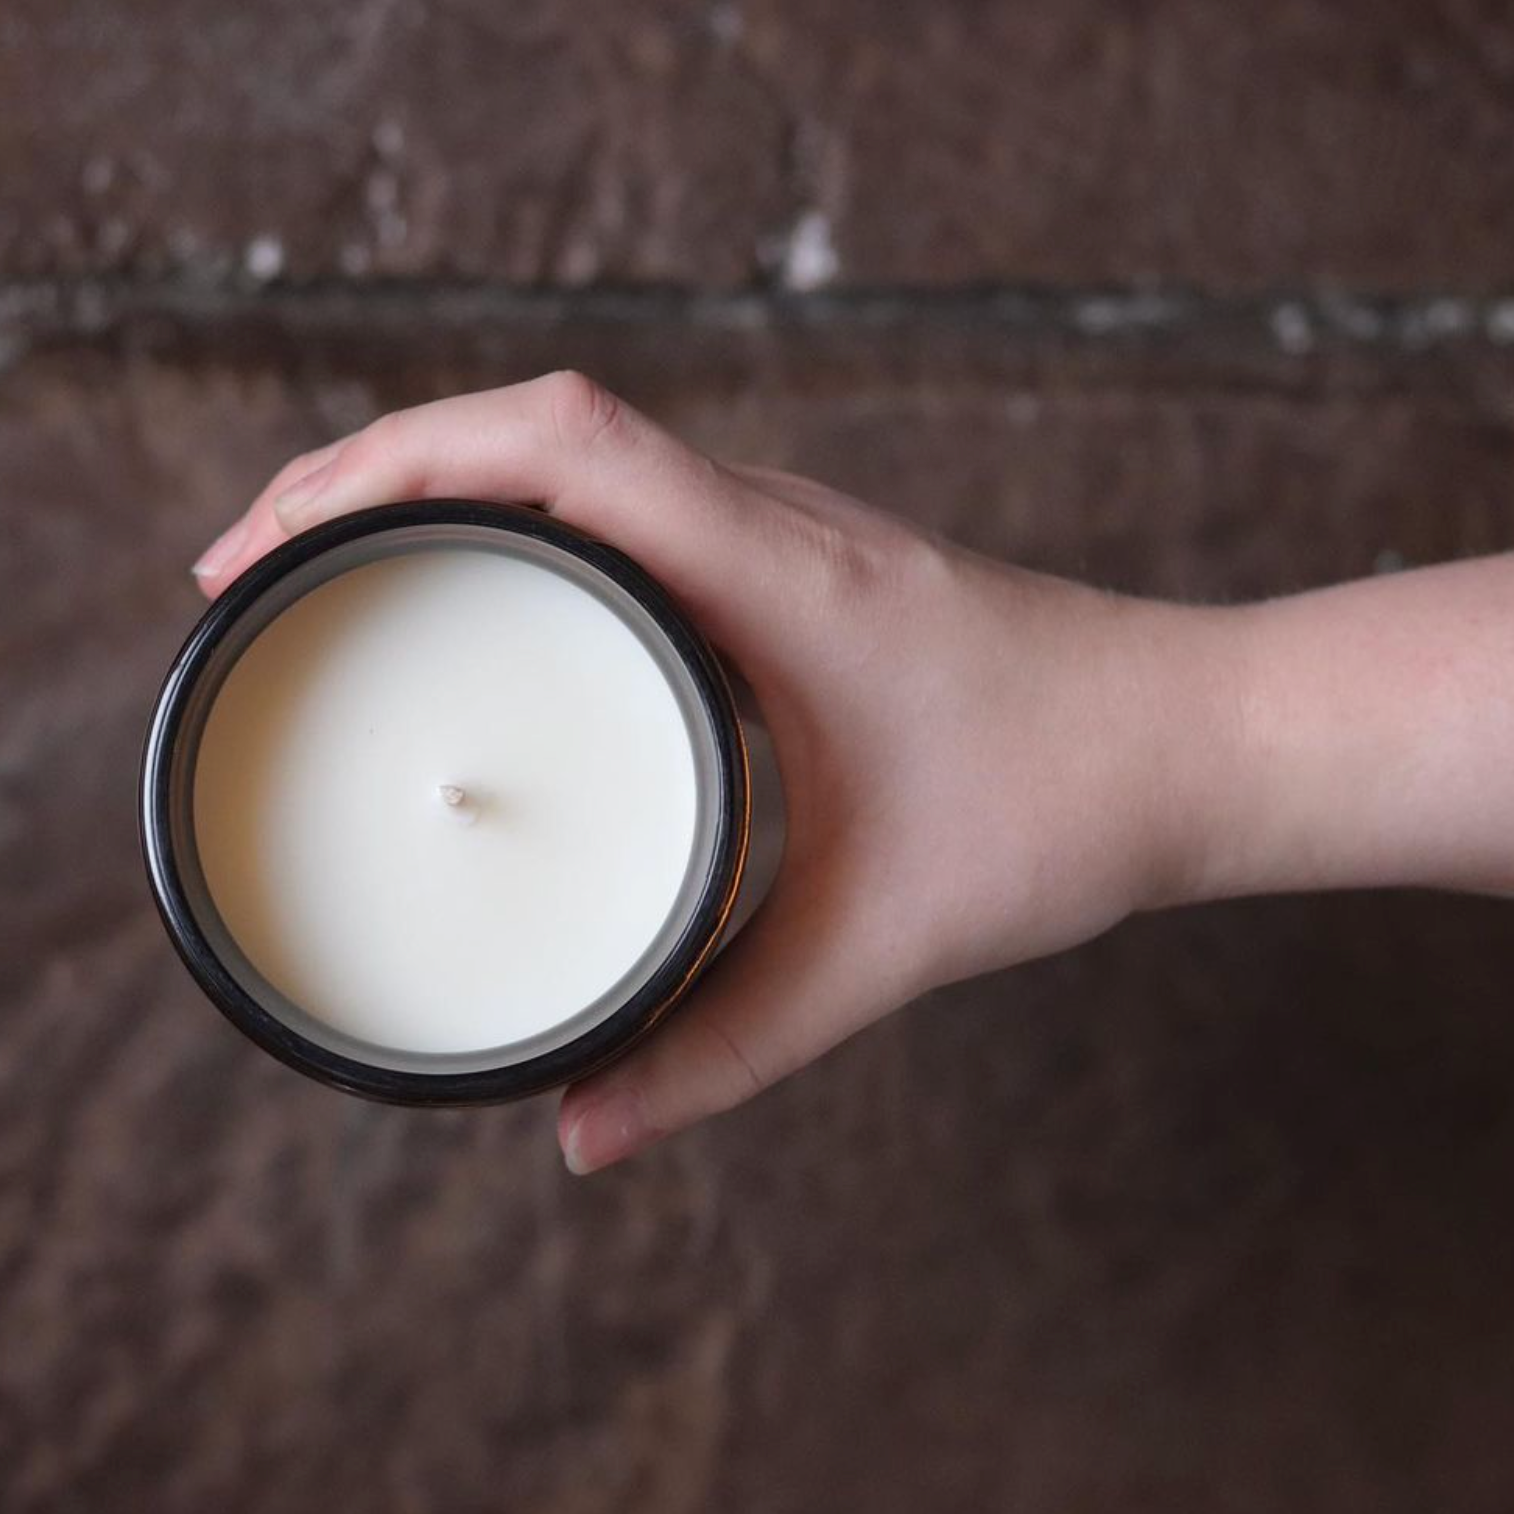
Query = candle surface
x=445 y=801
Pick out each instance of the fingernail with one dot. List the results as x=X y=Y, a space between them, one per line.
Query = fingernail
x=293 y=506
x=610 y=1128
x=221 y=551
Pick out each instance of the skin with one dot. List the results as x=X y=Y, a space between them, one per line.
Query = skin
x=982 y=765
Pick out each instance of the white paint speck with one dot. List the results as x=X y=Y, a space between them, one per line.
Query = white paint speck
x=392 y=230
x=1438 y=321
x=580 y=260
x=113 y=236
x=1292 y=329
x=382 y=191
x=99 y=174
x=1098 y=316
x=1448 y=317
x=810 y=260
x=388 y=138
x=91 y=309
x=1353 y=318
x=264 y=258
x=1499 y=323
x=726 y=23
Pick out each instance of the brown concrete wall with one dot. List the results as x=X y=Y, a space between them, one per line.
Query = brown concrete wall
x=1191 y=299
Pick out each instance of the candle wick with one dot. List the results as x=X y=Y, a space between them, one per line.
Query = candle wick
x=457 y=803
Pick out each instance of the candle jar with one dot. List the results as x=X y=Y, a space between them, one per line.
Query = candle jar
x=448 y=803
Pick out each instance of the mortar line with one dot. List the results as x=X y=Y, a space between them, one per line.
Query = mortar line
x=1294 y=320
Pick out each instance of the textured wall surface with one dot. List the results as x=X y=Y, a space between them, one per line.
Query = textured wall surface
x=1210 y=1215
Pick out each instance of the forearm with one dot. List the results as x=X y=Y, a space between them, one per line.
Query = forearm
x=1359 y=736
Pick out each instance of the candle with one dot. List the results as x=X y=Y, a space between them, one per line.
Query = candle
x=444 y=803
x=371 y=718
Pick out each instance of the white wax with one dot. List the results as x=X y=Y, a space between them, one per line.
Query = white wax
x=406 y=915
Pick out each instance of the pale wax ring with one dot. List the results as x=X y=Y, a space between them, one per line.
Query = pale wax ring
x=704 y=896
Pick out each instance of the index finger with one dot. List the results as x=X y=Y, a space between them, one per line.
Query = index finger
x=559 y=441
x=258 y=529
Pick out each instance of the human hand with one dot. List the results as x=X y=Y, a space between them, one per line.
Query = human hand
x=972 y=769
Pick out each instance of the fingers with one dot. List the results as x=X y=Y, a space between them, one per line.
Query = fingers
x=559 y=441
x=781 y=995
x=258 y=530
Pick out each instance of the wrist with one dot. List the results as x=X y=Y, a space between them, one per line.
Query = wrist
x=1373 y=726
x=1352 y=737
x=1191 y=716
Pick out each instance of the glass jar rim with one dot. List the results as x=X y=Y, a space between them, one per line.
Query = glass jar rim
x=577 y=1046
